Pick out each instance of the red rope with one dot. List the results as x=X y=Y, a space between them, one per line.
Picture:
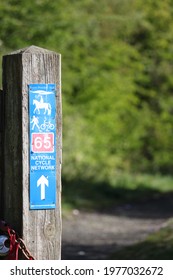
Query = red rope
x=16 y=243
x=14 y=246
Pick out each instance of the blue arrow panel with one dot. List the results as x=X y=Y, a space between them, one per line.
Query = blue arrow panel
x=42 y=122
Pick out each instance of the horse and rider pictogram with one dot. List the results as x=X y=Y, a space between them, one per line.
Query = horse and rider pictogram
x=39 y=105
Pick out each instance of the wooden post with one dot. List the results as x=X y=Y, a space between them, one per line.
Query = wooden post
x=1 y=154
x=40 y=229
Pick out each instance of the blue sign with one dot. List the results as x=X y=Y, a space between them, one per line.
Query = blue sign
x=42 y=119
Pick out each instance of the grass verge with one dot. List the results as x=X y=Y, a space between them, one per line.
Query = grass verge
x=157 y=246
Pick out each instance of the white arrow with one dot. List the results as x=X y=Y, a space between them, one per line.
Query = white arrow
x=43 y=181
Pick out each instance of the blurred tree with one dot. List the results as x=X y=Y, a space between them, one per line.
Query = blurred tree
x=117 y=77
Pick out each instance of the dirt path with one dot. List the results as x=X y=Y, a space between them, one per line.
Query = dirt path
x=97 y=235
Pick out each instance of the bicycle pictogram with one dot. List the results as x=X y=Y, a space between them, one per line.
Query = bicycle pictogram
x=47 y=125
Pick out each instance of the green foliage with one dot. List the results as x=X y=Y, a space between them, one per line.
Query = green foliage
x=117 y=79
x=124 y=189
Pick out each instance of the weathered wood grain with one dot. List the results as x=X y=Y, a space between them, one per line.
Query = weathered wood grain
x=40 y=229
x=1 y=154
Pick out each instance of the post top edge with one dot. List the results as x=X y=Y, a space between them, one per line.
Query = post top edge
x=32 y=49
